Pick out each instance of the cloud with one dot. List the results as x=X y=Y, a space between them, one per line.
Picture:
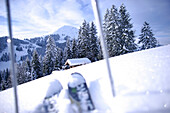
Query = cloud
x=39 y=17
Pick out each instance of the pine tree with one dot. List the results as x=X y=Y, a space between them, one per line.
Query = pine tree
x=79 y=46
x=74 y=49
x=36 y=67
x=0 y=80
x=106 y=25
x=27 y=74
x=0 y=76
x=28 y=70
x=67 y=50
x=25 y=71
x=59 y=58
x=3 y=80
x=44 y=68
x=8 y=82
x=50 y=57
x=146 y=38
x=41 y=65
x=100 y=55
x=84 y=41
x=94 y=48
x=20 y=74
x=48 y=64
x=109 y=27
x=51 y=48
x=127 y=34
x=112 y=31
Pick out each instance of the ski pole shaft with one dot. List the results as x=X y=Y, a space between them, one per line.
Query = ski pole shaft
x=11 y=47
x=103 y=45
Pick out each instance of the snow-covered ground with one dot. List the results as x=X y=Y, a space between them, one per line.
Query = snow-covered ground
x=141 y=81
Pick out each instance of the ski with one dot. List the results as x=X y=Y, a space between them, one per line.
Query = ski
x=79 y=93
x=50 y=101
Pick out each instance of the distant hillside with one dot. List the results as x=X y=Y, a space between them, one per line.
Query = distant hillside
x=24 y=48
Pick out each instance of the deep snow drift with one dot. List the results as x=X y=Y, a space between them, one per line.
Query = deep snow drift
x=141 y=82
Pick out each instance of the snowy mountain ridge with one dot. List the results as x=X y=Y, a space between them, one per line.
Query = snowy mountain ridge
x=140 y=78
x=67 y=31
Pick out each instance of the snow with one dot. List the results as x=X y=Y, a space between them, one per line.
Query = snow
x=4 y=65
x=141 y=81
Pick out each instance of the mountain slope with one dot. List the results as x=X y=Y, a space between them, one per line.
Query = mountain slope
x=141 y=82
x=24 y=48
x=69 y=31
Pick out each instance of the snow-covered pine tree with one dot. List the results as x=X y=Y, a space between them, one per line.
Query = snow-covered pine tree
x=106 y=25
x=48 y=64
x=146 y=38
x=3 y=80
x=41 y=65
x=106 y=30
x=74 y=49
x=59 y=58
x=61 y=54
x=0 y=80
x=28 y=70
x=67 y=50
x=100 y=55
x=50 y=56
x=84 y=41
x=8 y=82
x=79 y=46
x=111 y=29
x=0 y=76
x=44 y=68
x=127 y=34
x=94 y=48
x=26 y=76
x=36 y=66
x=20 y=74
x=87 y=42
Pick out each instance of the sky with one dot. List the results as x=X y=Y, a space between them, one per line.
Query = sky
x=33 y=18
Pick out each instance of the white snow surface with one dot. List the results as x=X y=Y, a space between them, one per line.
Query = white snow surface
x=141 y=81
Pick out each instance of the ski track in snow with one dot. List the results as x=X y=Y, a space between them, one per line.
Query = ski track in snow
x=141 y=82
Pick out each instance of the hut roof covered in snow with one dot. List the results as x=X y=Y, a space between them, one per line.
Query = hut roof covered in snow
x=77 y=61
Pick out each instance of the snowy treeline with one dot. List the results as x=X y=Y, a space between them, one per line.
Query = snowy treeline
x=5 y=80
x=119 y=37
x=88 y=44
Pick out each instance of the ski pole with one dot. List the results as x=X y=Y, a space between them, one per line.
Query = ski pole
x=103 y=45
x=11 y=47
